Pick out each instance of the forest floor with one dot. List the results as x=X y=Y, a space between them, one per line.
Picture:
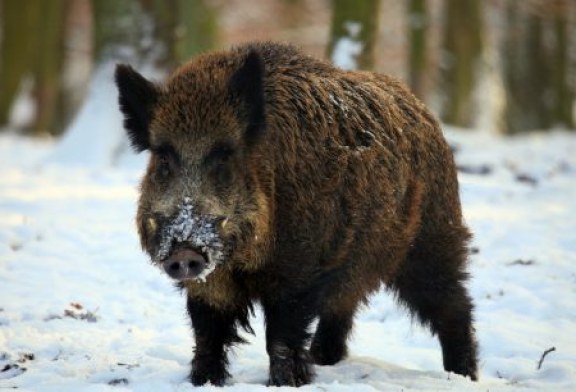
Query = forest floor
x=82 y=310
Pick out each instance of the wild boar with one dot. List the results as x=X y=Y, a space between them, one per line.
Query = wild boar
x=277 y=178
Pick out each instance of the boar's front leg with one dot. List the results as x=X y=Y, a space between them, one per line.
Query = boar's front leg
x=287 y=320
x=214 y=331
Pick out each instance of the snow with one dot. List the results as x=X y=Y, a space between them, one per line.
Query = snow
x=105 y=121
x=81 y=309
x=107 y=144
x=348 y=47
x=24 y=106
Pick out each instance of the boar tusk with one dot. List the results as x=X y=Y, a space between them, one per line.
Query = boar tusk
x=152 y=225
x=223 y=223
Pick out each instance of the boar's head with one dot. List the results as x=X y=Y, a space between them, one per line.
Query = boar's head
x=201 y=199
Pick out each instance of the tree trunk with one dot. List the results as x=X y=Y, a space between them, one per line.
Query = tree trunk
x=564 y=74
x=174 y=30
x=417 y=57
x=523 y=102
x=48 y=68
x=197 y=28
x=17 y=50
x=537 y=74
x=353 y=33
x=33 y=47
x=461 y=53
x=124 y=30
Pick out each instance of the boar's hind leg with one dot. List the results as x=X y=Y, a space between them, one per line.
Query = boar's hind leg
x=329 y=344
x=287 y=322
x=431 y=284
x=214 y=331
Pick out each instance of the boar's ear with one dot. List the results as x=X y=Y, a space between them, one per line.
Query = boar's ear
x=137 y=97
x=247 y=84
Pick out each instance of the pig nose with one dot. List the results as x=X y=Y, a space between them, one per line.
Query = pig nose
x=184 y=264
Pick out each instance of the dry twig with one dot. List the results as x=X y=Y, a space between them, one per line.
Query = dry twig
x=544 y=356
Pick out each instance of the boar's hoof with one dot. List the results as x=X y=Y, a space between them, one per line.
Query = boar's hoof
x=208 y=370
x=465 y=365
x=184 y=264
x=327 y=354
x=293 y=368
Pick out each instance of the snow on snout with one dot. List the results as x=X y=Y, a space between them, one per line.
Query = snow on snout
x=199 y=231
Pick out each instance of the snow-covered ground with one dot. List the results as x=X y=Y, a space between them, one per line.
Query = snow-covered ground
x=82 y=310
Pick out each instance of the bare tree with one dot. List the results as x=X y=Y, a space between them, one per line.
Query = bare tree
x=16 y=51
x=538 y=75
x=418 y=51
x=32 y=48
x=48 y=68
x=196 y=28
x=460 y=60
x=353 y=33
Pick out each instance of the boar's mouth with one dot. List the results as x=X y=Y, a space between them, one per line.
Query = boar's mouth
x=190 y=246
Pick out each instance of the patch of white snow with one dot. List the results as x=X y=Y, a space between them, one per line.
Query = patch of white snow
x=348 y=48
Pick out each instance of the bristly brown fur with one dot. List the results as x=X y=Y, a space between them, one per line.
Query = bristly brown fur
x=333 y=183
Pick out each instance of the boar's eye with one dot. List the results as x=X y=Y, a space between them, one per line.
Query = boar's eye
x=163 y=165
x=220 y=154
x=217 y=161
x=166 y=159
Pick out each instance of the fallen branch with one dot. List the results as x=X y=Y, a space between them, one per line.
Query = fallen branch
x=522 y=262
x=544 y=356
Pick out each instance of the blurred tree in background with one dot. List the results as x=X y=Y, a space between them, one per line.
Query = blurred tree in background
x=196 y=28
x=538 y=72
x=353 y=33
x=153 y=33
x=418 y=50
x=32 y=47
x=460 y=60
x=443 y=49
x=162 y=33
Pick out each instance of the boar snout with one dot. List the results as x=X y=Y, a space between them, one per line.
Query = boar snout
x=188 y=245
x=184 y=264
